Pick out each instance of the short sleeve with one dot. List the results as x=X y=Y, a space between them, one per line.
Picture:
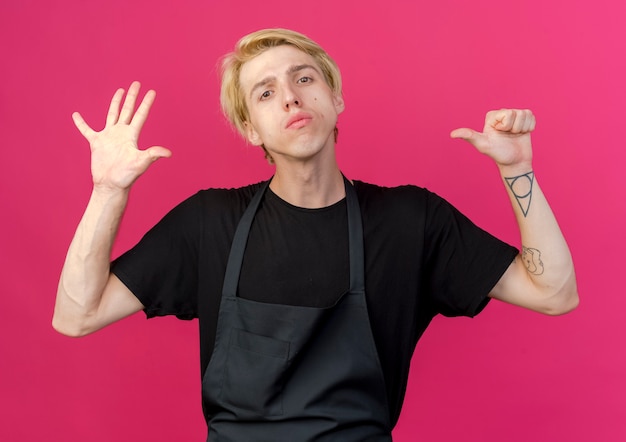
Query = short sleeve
x=463 y=262
x=162 y=269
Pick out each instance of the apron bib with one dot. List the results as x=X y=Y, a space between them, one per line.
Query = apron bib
x=291 y=373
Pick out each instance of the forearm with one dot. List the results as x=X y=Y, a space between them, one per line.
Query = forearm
x=86 y=270
x=542 y=277
x=545 y=254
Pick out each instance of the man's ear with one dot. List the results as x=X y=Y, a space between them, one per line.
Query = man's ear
x=339 y=103
x=252 y=135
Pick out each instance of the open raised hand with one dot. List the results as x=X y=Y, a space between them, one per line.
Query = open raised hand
x=116 y=160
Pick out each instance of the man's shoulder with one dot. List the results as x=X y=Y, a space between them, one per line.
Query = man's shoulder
x=225 y=196
x=378 y=194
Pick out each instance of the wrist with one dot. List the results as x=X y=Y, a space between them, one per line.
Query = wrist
x=109 y=194
x=514 y=170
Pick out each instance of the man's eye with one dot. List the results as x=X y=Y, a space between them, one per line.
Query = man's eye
x=305 y=80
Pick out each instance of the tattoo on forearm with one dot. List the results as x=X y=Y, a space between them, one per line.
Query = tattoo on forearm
x=522 y=188
x=532 y=260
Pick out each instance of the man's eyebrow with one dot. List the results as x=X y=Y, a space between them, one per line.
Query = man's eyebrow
x=300 y=67
x=260 y=84
x=291 y=70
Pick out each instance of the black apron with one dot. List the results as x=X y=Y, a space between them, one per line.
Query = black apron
x=291 y=373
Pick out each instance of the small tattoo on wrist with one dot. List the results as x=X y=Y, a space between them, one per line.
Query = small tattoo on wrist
x=521 y=187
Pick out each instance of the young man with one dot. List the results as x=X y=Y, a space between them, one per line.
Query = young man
x=311 y=290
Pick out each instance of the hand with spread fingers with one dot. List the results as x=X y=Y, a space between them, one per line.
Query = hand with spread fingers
x=505 y=137
x=116 y=160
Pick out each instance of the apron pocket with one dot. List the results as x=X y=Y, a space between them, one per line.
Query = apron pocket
x=254 y=373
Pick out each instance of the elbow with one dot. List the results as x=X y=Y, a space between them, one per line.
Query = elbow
x=68 y=328
x=71 y=318
x=564 y=300
x=563 y=307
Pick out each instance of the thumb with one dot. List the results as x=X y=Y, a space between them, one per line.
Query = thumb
x=469 y=135
x=464 y=134
x=156 y=152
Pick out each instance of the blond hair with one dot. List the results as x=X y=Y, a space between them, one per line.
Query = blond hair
x=232 y=97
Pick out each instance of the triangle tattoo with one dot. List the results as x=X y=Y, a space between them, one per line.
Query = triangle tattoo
x=522 y=188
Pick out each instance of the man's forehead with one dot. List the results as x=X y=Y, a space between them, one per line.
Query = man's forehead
x=274 y=62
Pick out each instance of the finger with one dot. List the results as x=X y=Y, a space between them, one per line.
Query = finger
x=532 y=124
x=501 y=120
x=129 y=103
x=519 y=122
x=82 y=126
x=143 y=110
x=114 y=108
x=529 y=126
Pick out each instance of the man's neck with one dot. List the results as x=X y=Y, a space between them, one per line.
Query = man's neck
x=308 y=186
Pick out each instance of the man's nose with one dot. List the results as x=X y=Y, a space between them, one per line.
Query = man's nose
x=291 y=99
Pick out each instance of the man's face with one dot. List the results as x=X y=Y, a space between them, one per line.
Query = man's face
x=292 y=110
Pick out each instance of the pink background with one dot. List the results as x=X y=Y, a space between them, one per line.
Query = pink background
x=413 y=70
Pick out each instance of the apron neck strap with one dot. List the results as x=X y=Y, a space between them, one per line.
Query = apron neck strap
x=355 y=239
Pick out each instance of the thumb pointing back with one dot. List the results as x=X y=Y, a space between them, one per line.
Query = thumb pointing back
x=463 y=133
x=477 y=139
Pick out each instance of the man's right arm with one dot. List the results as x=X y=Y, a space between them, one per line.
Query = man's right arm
x=89 y=296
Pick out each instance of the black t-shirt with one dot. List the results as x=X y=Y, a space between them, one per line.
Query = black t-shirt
x=422 y=258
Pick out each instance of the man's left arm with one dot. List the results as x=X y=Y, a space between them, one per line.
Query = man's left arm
x=542 y=277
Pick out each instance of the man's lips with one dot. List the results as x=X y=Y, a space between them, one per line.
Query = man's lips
x=298 y=120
